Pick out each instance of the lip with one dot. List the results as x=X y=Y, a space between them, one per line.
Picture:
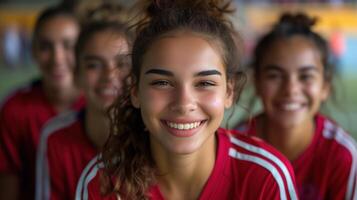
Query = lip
x=107 y=94
x=183 y=133
x=291 y=106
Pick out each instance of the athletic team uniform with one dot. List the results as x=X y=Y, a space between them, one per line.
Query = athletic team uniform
x=64 y=151
x=327 y=168
x=245 y=168
x=21 y=118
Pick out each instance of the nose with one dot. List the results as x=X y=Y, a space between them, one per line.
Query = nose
x=184 y=100
x=58 y=55
x=291 y=86
x=110 y=72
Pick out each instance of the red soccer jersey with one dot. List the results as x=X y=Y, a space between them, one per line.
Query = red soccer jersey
x=64 y=151
x=245 y=168
x=21 y=118
x=327 y=169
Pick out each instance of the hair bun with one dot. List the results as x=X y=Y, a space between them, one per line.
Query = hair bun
x=298 y=21
x=102 y=12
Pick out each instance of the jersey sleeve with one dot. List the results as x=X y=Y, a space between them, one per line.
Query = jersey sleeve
x=57 y=178
x=344 y=175
x=11 y=130
x=89 y=184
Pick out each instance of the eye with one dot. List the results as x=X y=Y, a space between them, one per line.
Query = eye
x=273 y=75
x=205 y=84
x=306 y=77
x=68 y=45
x=161 y=83
x=93 y=65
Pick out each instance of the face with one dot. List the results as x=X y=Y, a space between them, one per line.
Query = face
x=290 y=82
x=182 y=93
x=103 y=64
x=53 y=50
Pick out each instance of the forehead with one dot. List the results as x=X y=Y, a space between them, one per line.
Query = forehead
x=292 y=53
x=105 y=42
x=59 y=26
x=182 y=52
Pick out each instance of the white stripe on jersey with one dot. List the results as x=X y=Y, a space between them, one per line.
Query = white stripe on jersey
x=271 y=157
x=331 y=131
x=80 y=184
x=89 y=172
x=235 y=154
x=42 y=173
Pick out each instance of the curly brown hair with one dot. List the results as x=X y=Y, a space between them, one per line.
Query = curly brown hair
x=126 y=156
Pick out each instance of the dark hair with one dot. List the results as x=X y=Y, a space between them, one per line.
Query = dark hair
x=105 y=17
x=126 y=155
x=289 y=25
x=49 y=13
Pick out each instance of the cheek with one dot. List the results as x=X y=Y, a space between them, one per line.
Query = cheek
x=156 y=102
x=266 y=90
x=214 y=103
x=70 y=59
x=90 y=80
x=316 y=92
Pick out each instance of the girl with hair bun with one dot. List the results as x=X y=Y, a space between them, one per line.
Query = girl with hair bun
x=70 y=141
x=293 y=77
x=165 y=141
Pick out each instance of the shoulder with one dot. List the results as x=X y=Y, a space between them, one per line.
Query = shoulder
x=261 y=161
x=22 y=98
x=62 y=125
x=248 y=126
x=337 y=141
x=89 y=181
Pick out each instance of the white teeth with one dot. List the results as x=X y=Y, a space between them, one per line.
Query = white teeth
x=110 y=92
x=291 y=106
x=186 y=126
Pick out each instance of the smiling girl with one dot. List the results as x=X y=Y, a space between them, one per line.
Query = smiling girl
x=165 y=141
x=293 y=77
x=70 y=141
x=24 y=113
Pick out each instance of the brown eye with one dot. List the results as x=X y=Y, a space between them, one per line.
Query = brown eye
x=203 y=84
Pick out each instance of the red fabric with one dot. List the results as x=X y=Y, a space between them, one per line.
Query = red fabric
x=68 y=152
x=323 y=170
x=21 y=118
x=232 y=178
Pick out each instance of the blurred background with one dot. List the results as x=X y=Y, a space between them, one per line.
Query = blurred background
x=337 y=23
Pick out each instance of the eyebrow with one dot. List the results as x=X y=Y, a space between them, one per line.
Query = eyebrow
x=208 y=73
x=91 y=57
x=160 y=72
x=272 y=67
x=168 y=73
x=304 y=68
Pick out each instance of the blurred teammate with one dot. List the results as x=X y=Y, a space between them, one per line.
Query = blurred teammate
x=24 y=113
x=293 y=77
x=70 y=141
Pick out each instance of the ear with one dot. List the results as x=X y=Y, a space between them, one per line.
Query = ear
x=134 y=97
x=229 y=94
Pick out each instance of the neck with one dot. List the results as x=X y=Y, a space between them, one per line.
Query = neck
x=61 y=99
x=97 y=127
x=291 y=141
x=184 y=176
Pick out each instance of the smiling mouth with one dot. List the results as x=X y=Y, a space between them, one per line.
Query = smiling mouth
x=184 y=126
x=291 y=106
